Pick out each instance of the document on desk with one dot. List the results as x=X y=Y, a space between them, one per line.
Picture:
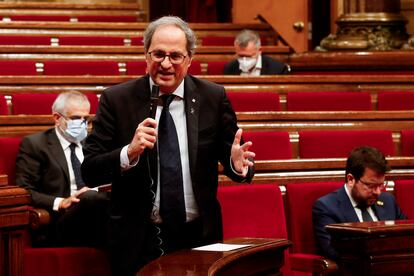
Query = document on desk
x=221 y=247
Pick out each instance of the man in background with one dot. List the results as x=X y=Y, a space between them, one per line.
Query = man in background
x=362 y=198
x=48 y=166
x=250 y=60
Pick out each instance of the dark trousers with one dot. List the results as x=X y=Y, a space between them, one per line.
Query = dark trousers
x=83 y=224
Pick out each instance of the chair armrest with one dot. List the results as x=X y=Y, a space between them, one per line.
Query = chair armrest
x=313 y=263
x=38 y=217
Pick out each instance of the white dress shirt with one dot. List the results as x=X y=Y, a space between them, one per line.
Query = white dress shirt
x=357 y=210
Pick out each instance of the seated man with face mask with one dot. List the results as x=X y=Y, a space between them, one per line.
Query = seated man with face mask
x=250 y=61
x=48 y=166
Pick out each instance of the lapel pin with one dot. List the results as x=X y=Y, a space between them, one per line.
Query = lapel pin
x=380 y=203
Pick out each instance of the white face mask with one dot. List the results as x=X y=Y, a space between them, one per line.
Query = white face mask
x=246 y=63
x=76 y=130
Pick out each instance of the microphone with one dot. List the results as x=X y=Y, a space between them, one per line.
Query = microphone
x=154 y=100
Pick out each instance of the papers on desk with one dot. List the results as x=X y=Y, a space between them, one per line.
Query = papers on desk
x=221 y=247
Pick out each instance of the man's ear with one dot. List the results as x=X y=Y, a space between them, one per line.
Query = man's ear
x=350 y=180
x=56 y=117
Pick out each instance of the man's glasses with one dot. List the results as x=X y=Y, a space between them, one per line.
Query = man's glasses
x=174 y=57
x=374 y=186
x=86 y=119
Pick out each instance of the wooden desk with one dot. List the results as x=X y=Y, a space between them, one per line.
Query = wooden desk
x=264 y=256
x=374 y=248
x=14 y=218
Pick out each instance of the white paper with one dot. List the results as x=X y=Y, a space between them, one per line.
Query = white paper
x=221 y=247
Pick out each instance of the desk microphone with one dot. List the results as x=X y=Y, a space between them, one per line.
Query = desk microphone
x=154 y=100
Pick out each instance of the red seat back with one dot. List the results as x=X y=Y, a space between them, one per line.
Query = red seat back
x=404 y=191
x=39 y=17
x=92 y=40
x=396 y=100
x=136 y=67
x=195 y=68
x=338 y=143
x=106 y=18
x=252 y=211
x=24 y=40
x=94 y=101
x=33 y=104
x=81 y=68
x=254 y=101
x=328 y=101
x=216 y=67
x=268 y=145
x=299 y=201
x=3 y=106
x=218 y=41
x=9 y=147
x=17 y=67
x=137 y=41
x=407 y=142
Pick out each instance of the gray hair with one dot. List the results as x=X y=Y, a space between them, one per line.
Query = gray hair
x=171 y=20
x=61 y=102
x=245 y=36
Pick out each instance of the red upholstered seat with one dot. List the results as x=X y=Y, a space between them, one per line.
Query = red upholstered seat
x=253 y=211
x=24 y=40
x=195 y=68
x=299 y=200
x=81 y=68
x=65 y=261
x=216 y=67
x=407 y=142
x=41 y=103
x=17 y=67
x=404 y=191
x=33 y=103
x=136 y=68
x=39 y=17
x=9 y=146
x=137 y=41
x=396 y=100
x=268 y=145
x=338 y=143
x=106 y=18
x=328 y=101
x=92 y=40
x=3 y=106
x=218 y=41
x=94 y=101
x=254 y=101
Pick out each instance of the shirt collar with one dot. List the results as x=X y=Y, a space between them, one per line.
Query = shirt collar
x=259 y=62
x=353 y=202
x=62 y=140
x=178 y=92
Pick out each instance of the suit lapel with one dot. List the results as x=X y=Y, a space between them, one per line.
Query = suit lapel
x=346 y=207
x=57 y=153
x=192 y=110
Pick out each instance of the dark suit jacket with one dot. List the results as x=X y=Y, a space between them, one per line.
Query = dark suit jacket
x=337 y=208
x=269 y=67
x=41 y=168
x=211 y=125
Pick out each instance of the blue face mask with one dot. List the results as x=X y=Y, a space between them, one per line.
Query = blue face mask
x=76 y=130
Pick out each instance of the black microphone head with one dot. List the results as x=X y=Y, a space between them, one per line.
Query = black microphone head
x=155 y=91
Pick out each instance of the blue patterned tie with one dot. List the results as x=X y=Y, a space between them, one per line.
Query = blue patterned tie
x=76 y=165
x=172 y=206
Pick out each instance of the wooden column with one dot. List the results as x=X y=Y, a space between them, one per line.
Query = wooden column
x=368 y=25
x=14 y=218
